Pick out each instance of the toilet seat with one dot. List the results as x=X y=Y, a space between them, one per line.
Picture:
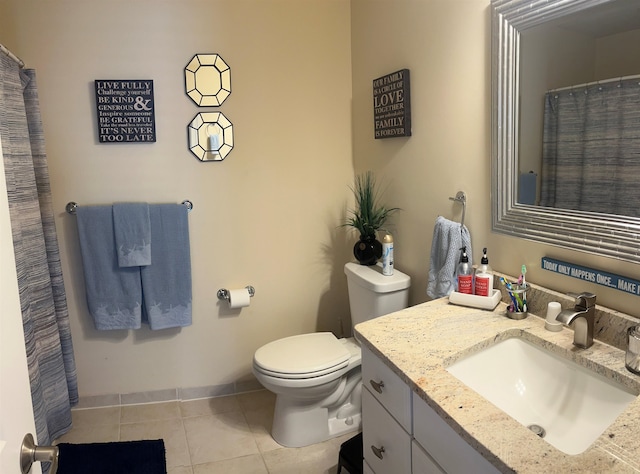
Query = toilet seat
x=302 y=357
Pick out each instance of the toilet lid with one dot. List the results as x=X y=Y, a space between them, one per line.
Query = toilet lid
x=306 y=354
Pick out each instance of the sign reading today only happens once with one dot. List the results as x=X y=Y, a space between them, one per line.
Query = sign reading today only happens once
x=610 y=280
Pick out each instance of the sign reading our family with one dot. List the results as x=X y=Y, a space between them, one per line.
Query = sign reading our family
x=126 y=111
x=392 y=105
x=610 y=280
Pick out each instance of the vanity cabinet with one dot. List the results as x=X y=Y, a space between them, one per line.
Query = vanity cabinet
x=402 y=434
x=443 y=444
x=386 y=445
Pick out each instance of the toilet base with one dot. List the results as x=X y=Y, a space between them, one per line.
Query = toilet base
x=294 y=428
x=319 y=409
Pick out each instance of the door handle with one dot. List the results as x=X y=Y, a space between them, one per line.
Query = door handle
x=377 y=386
x=378 y=451
x=30 y=453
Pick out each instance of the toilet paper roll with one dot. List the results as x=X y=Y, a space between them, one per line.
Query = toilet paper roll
x=239 y=298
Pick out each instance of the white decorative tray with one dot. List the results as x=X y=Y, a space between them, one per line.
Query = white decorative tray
x=482 y=302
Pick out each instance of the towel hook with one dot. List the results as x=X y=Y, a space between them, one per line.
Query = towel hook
x=461 y=197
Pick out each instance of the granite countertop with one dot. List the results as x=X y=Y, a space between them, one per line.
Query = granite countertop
x=418 y=343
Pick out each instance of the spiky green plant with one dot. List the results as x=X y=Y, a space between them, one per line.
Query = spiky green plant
x=369 y=215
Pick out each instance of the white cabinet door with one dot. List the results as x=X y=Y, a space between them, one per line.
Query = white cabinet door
x=386 y=446
x=387 y=388
x=366 y=469
x=16 y=412
x=443 y=444
x=421 y=462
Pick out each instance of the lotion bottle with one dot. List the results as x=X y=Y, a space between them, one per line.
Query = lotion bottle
x=484 y=277
x=465 y=274
x=387 y=255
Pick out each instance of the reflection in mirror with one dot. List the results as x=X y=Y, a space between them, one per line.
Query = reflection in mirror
x=210 y=136
x=207 y=80
x=579 y=148
x=525 y=33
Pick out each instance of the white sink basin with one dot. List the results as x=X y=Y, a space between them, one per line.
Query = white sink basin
x=573 y=405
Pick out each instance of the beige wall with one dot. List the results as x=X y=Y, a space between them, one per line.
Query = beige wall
x=616 y=57
x=267 y=216
x=446 y=45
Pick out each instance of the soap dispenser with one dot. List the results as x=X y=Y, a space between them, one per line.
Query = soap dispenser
x=484 y=277
x=465 y=275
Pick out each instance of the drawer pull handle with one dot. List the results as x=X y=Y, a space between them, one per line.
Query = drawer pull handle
x=377 y=386
x=378 y=451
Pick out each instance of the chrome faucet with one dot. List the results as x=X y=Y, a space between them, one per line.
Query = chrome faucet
x=584 y=315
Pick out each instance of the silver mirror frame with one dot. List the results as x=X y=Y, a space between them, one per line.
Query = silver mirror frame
x=601 y=234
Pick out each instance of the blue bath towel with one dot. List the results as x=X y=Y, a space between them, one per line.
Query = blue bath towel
x=132 y=233
x=114 y=294
x=448 y=238
x=166 y=282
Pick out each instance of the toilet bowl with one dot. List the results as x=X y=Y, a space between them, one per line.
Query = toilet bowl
x=316 y=377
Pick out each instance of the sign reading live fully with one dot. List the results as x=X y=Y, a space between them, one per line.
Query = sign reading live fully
x=126 y=111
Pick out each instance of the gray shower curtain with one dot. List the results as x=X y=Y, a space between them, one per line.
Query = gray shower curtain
x=591 y=148
x=45 y=317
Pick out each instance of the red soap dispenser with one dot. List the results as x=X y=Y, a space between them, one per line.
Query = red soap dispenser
x=465 y=274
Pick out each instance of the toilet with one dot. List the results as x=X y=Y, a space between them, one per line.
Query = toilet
x=316 y=377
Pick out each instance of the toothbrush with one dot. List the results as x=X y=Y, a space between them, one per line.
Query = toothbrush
x=513 y=299
x=524 y=284
x=517 y=301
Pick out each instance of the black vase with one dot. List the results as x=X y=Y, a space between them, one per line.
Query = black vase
x=367 y=250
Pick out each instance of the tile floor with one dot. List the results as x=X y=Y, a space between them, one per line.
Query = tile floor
x=215 y=435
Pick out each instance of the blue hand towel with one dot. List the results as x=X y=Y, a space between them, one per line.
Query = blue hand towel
x=132 y=233
x=114 y=294
x=166 y=283
x=448 y=238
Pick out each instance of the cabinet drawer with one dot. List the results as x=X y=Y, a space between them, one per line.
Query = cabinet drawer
x=387 y=388
x=443 y=444
x=421 y=462
x=386 y=446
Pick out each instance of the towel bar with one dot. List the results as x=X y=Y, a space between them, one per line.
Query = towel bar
x=71 y=206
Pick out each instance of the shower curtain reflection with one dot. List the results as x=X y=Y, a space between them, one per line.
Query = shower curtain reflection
x=45 y=317
x=591 y=148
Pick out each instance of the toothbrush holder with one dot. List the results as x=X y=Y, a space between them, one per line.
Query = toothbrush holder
x=518 y=295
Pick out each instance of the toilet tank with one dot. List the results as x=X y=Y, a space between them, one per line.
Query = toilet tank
x=372 y=294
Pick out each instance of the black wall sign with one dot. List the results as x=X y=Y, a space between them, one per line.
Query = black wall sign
x=126 y=111
x=392 y=105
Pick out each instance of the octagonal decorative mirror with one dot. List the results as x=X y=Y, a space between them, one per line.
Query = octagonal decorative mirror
x=210 y=136
x=207 y=80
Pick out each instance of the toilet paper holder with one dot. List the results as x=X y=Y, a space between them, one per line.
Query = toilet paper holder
x=223 y=293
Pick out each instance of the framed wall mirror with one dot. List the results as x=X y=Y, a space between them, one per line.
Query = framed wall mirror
x=531 y=55
x=210 y=136
x=207 y=80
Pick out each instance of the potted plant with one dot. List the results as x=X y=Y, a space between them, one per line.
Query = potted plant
x=367 y=218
